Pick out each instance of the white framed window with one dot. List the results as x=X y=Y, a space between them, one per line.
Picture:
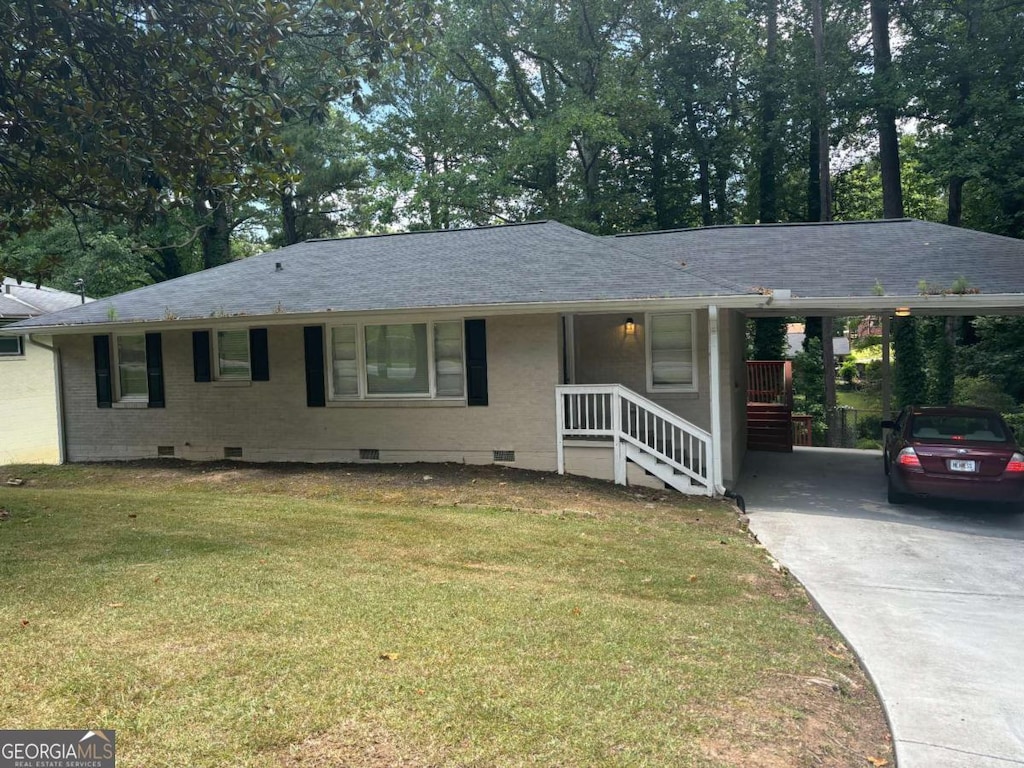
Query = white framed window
x=11 y=346
x=130 y=364
x=670 y=342
x=231 y=353
x=397 y=360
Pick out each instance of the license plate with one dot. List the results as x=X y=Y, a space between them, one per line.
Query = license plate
x=962 y=465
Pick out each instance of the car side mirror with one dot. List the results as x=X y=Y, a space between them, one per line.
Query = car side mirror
x=888 y=424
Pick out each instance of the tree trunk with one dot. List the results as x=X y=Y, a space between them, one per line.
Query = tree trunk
x=659 y=196
x=767 y=198
x=700 y=146
x=885 y=111
x=215 y=236
x=289 y=219
x=814 y=174
x=824 y=173
x=955 y=201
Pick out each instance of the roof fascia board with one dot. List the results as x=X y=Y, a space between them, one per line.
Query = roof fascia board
x=748 y=302
x=978 y=303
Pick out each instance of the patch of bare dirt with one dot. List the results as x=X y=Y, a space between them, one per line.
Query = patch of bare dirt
x=350 y=745
x=829 y=721
x=456 y=485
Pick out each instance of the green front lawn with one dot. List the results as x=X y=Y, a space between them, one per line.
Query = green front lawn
x=259 y=617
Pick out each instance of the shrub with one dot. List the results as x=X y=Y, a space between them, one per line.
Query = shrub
x=848 y=371
x=983 y=392
x=869 y=427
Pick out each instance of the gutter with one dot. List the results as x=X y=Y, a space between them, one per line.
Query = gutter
x=58 y=383
x=968 y=304
x=753 y=302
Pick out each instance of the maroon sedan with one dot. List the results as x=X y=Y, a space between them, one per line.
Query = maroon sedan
x=954 y=452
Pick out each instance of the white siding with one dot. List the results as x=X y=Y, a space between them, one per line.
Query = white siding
x=28 y=407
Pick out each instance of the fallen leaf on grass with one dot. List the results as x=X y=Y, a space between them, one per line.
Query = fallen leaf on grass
x=24 y=622
x=115 y=605
x=878 y=762
x=388 y=657
x=693 y=577
x=132 y=515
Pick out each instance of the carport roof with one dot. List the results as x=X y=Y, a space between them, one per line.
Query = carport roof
x=843 y=259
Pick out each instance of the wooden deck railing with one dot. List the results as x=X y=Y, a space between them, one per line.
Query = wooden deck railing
x=770 y=381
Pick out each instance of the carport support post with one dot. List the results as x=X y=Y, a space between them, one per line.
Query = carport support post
x=828 y=361
x=715 y=383
x=886 y=369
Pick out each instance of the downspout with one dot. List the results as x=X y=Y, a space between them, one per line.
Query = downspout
x=715 y=376
x=59 y=391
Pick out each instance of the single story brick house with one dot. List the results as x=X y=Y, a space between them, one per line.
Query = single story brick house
x=535 y=344
x=29 y=418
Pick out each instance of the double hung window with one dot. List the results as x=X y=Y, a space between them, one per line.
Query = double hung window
x=132 y=380
x=397 y=360
x=670 y=352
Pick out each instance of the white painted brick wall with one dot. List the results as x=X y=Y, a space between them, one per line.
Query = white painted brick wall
x=271 y=422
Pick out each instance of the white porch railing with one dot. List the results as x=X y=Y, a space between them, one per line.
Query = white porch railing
x=658 y=440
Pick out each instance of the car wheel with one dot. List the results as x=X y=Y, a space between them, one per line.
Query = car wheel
x=892 y=495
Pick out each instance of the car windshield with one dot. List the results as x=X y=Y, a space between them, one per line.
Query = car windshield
x=956 y=428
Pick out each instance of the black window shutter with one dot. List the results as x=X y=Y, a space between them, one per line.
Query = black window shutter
x=201 y=355
x=101 y=356
x=155 y=370
x=476 y=362
x=259 y=357
x=316 y=391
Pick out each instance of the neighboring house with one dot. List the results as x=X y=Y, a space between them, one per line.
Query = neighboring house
x=795 y=343
x=534 y=345
x=29 y=422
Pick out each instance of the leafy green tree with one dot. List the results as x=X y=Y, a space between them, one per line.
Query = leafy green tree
x=998 y=355
x=938 y=347
x=768 y=338
x=908 y=379
x=138 y=109
x=67 y=252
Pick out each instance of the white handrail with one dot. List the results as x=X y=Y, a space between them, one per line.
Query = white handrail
x=612 y=410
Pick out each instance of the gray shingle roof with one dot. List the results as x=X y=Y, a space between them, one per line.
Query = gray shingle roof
x=547 y=262
x=843 y=258
x=515 y=264
x=25 y=300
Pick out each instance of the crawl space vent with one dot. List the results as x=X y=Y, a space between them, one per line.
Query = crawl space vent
x=504 y=456
x=369 y=454
x=165 y=451
x=232 y=453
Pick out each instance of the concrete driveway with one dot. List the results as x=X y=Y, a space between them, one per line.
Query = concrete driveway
x=930 y=595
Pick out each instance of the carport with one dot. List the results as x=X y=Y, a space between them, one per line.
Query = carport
x=929 y=595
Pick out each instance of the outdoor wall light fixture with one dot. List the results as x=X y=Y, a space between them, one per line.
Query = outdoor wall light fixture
x=630 y=326
x=902 y=311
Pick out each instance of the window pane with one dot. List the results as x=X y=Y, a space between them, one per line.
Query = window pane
x=343 y=357
x=10 y=345
x=451 y=379
x=233 y=355
x=671 y=350
x=396 y=359
x=131 y=367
